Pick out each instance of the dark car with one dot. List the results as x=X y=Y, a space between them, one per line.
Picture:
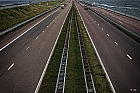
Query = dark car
x=86 y=8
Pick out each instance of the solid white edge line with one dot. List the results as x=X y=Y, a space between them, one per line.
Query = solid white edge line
x=26 y=31
x=11 y=66
x=44 y=71
x=111 y=85
x=129 y=56
x=84 y=70
x=36 y=37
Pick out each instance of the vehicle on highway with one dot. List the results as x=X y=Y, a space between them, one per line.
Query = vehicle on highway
x=62 y=6
x=86 y=8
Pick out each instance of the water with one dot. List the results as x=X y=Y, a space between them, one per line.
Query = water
x=129 y=7
x=12 y=2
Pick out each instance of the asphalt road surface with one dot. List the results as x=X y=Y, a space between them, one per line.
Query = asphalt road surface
x=24 y=53
x=119 y=54
x=129 y=23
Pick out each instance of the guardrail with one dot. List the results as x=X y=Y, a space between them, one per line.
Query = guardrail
x=90 y=88
x=24 y=22
x=128 y=32
x=63 y=65
x=124 y=14
x=115 y=23
x=12 y=6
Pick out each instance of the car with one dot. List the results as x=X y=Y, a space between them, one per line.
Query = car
x=86 y=8
x=62 y=6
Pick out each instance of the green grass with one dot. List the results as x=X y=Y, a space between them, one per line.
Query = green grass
x=13 y=16
x=99 y=77
x=74 y=77
x=50 y=78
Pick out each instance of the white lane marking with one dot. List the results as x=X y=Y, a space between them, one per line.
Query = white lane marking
x=120 y=22
x=27 y=48
x=137 y=25
x=95 y=50
x=95 y=21
x=129 y=56
x=98 y=24
x=26 y=31
x=133 y=90
x=11 y=66
x=43 y=31
x=112 y=87
x=116 y=43
x=44 y=71
x=107 y=34
x=102 y=28
x=36 y=37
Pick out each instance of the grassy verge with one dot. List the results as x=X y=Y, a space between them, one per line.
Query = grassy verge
x=50 y=78
x=99 y=77
x=12 y=16
x=74 y=77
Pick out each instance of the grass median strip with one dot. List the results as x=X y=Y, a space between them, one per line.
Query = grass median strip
x=99 y=77
x=75 y=77
x=49 y=81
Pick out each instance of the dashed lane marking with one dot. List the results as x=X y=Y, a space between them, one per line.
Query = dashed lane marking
x=116 y=43
x=27 y=48
x=112 y=87
x=129 y=56
x=107 y=34
x=120 y=22
x=36 y=37
x=11 y=66
x=27 y=31
x=102 y=28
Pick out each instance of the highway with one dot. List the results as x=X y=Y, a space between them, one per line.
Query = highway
x=26 y=52
x=128 y=22
x=119 y=54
